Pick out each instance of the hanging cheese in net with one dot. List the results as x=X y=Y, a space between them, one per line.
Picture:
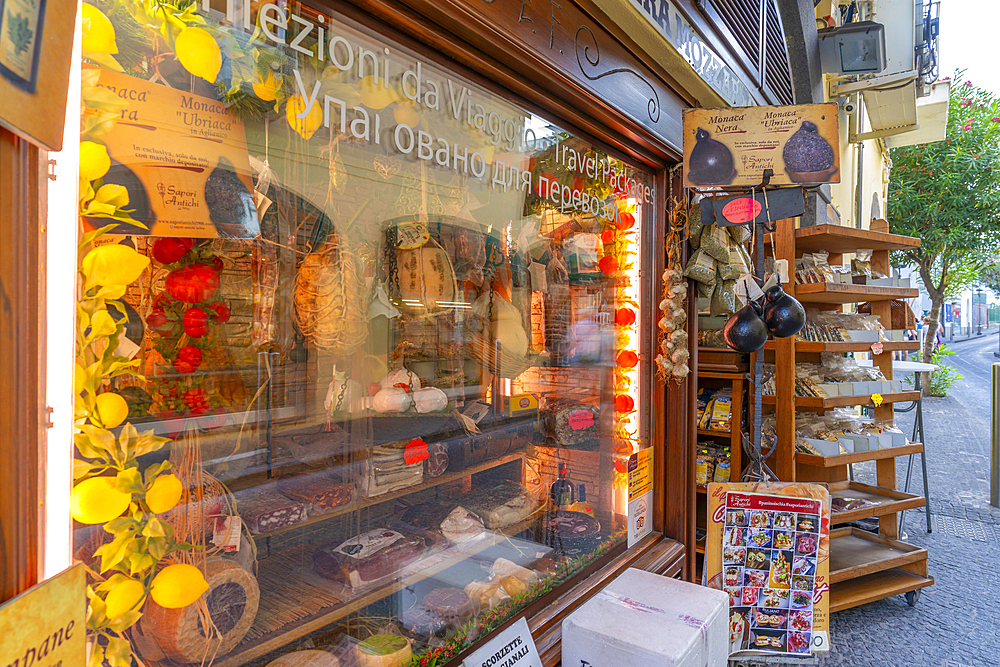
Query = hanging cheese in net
x=426 y=280
x=330 y=299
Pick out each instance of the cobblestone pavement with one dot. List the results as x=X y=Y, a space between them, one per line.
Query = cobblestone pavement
x=956 y=622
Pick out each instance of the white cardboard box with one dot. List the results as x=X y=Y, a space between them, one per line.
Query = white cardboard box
x=863 y=336
x=644 y=620
x=832 y=389
x=825 y=447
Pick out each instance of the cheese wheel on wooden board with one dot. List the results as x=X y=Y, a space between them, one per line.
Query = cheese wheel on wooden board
x=383 y=651
x=309 y=658
x=178 y=635
x=426 y=280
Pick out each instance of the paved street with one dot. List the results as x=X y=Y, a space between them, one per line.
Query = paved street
x=956 y=622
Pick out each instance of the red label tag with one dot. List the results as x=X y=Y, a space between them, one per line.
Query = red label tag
x=742 y=210
x=877 y=348
x=415 y=452
x=581 y=419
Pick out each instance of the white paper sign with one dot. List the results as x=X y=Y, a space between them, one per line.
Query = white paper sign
x=640 y=495
x=513 y=647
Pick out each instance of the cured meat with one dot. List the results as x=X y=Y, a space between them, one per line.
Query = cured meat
x=574 y=425
x=572 y=533
x=320 y=493
x=368 y=558
x=426 y=280
x=501 y=505
x=386 y=470
x=266 y=510
x=454 y=523
x=420 y=622
x=449 y=603
x=437 y=460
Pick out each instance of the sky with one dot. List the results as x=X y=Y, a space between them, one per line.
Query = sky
x=968 y=40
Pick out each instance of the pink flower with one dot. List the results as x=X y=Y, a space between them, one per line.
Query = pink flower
x=947 y=78
x=968 y=83
x=996 y=119
x=966 y=102
x=966 y=127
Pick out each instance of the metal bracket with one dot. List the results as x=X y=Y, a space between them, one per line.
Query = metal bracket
x=836 y=89
x=888 y=132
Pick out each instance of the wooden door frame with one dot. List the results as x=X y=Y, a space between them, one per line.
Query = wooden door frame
x=22 y=363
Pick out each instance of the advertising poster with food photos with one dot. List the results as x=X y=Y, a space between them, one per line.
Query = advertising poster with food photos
x=769 y=550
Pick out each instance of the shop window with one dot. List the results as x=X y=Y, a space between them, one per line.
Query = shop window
x=392 y=327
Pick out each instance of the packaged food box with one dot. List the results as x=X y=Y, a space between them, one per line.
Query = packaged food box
x=825 y=447
x=642 y=619
x=863 y=336
x=831 y=389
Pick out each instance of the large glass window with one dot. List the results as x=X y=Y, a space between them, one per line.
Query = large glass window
x=391 y=325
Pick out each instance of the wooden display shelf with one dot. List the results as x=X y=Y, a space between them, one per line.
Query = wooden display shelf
x=848 y=346
x=840 y=240
x=888 y=501
x=843 y=401
x=428 y=483
x=858 y=457
x=301 y=581
x=850 y=293
x=856 y=553
x=872 y=587
x=721 y=360
x=728 y=433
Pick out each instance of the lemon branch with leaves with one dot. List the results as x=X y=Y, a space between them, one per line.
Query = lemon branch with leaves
x=110 y=488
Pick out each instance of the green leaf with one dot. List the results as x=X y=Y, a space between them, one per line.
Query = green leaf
x=118 y=652
x=19 y=32
x=96 y=657
x=111 y=581
x=130 y=481
x=115 y=551
x=147 y=442
x=113 y=194
x=125 y=621
x=121 y=524
x=94 y=442
x=155 y=528
x=141 y=562
x=105 y=60
x=153 y=471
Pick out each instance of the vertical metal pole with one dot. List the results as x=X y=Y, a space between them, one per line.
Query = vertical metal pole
x=995 y=436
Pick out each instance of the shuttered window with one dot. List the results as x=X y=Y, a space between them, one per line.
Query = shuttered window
x=753 y=28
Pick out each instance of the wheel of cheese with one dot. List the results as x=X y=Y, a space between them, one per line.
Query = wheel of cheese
x=306 y=659
x=383 y=651
x=426 y=280
x=178 y=634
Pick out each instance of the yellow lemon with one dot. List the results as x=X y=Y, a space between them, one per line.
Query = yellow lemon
x=266 y=89
x=199 y=53
x=376 y=95
x=112 y=409
x=113 y=264
x=125 y=596
x=79 y=378
x=178 y=585
x=98 y=500
x=164 y=494
x=94 y=160
x=98 y=32
x=304 y=127
x=406 y=112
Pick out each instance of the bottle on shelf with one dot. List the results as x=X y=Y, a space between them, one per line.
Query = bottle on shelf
x=581 y=504
x=561 y=492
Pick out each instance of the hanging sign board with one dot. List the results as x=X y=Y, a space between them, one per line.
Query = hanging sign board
x=34 y=92
x=768 y=547
x=183 y=159
x=640 y=495
x=760 y=207
x=513 y=647
x=47 y=625
x=733 y=147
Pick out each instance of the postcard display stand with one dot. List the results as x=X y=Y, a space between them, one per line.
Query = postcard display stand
x=863 y=567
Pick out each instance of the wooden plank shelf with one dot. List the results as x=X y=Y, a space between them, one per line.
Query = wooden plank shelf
x=722 y=434
x=858 y=457
x=872 y=587
x=840 y=240
x=293 y=569
x=887 y=501
x=856 y=553
x=849 y=293
x=848 y=346
x=843 y=401
x=428 y=483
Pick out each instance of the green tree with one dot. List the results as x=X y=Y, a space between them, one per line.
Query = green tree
x=947 y=194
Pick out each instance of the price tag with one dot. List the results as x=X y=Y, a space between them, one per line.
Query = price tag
x=781 y=268
x=411 y=235
x=226 y=535
x=877 y=348
x=877 y=399
x=415 y=452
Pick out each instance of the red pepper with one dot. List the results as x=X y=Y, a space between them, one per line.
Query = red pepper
x=219 y=311
x=195 y=322
x=170 y=250
x=188 y=359
x=192 y=284
x=156 y=319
